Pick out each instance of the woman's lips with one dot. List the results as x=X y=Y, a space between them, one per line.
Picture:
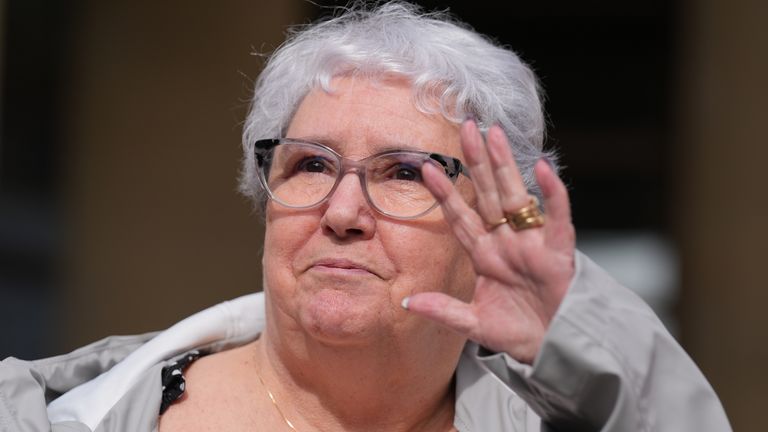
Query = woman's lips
x=341 y=267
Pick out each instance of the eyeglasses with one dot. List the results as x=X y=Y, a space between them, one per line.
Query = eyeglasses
x=302 y=175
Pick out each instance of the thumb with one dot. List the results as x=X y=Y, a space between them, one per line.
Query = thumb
x=443 y=309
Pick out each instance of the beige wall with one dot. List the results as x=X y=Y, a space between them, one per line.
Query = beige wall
x=157 y=94
x=722 y=205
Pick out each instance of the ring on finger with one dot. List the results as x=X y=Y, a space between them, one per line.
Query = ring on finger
x=524 y=218
x=527 y=217
x=500 y=222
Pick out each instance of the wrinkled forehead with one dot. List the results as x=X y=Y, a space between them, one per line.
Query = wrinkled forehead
x=358 y=116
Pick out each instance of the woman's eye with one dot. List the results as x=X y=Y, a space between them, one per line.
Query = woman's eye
x=316 y=165
x=407 y=174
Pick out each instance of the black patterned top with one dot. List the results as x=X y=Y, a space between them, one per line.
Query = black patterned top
x=173 y=379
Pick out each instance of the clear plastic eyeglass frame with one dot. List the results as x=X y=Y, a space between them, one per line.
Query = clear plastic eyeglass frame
x=263 y=150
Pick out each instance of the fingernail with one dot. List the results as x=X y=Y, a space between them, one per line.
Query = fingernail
x=470 y=116
x=404 y=303
x=550 y=163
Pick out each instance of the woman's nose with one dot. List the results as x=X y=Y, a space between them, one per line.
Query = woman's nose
x=347 y=213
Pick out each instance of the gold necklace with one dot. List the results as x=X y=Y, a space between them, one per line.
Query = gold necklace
x=274 y=402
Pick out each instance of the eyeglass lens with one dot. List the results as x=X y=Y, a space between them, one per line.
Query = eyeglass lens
x=301 y=175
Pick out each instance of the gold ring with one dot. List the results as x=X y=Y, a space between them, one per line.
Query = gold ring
x=497 y=224
x=527 y=217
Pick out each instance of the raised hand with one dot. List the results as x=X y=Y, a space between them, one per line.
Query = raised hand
x=523 y=275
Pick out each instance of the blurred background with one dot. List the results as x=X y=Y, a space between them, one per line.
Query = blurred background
x=119 y=151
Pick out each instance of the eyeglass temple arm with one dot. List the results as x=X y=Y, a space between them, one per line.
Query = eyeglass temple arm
x=262 y=146
x=452 y=166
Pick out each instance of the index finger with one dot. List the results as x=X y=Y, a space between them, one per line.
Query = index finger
x=467 y=225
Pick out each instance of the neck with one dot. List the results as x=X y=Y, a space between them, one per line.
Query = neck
x=392 y=385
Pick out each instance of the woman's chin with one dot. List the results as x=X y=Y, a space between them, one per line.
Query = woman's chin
x=342 y=318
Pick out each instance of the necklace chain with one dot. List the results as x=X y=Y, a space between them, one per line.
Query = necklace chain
x=274 y=402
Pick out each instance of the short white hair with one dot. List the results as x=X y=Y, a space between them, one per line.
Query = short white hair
x=453 y=69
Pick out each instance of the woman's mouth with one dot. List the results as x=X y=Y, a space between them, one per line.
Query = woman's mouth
x=341 y=267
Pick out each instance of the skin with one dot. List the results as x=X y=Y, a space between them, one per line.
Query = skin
x=351 y=318
x=335 y=277
x=392 y=258
x=522 y=276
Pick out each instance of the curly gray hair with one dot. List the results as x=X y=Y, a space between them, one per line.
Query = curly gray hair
x=454 y=71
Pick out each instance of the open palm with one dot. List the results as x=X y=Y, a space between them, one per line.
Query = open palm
x=522 y=276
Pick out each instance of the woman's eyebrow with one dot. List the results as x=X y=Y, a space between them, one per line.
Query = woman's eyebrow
x=375 y=147
x=387 y=146
x=318 y=139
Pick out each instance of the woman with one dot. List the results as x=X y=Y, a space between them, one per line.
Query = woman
x=411 y=281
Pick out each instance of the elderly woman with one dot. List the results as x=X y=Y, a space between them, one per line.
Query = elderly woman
x=412 y=282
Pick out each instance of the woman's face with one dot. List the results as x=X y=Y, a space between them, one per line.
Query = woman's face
x=339 y=272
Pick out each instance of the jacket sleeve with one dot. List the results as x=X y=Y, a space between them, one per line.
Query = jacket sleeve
x=608 y=364
x=26 y=387
x=22 y=399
